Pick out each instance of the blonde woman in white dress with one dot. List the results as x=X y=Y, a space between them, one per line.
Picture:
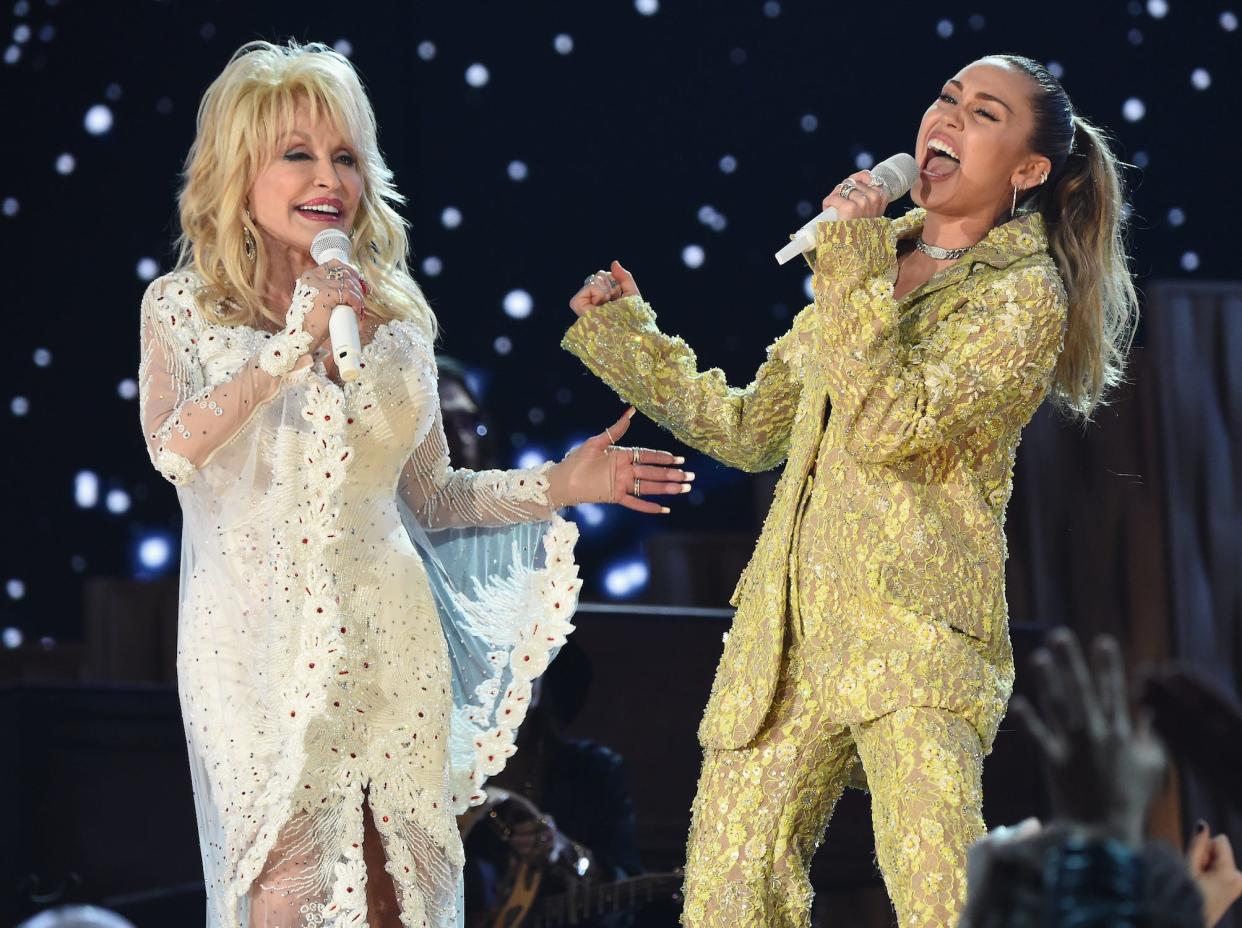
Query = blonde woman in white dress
x=360 y=623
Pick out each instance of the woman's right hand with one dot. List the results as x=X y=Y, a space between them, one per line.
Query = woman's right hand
x=338 y=285
x=604 y=287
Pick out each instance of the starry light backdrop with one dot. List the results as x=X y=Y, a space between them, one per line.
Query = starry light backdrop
x=534 y=141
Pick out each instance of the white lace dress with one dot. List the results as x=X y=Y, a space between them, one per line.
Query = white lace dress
x=355 y=614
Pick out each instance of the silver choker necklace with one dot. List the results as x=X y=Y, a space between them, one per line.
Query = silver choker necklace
x=940 y=254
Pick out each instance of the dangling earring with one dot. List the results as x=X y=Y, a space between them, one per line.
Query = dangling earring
x=1013 y=210
x=1043 y=178
x=252 y=249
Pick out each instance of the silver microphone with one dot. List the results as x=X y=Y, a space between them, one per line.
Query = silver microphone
x=896 y=176
x=334 y=245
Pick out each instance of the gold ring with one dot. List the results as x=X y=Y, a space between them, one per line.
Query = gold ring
x=608 y=432
x=638 y=487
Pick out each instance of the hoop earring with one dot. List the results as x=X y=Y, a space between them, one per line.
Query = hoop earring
x=252 y=248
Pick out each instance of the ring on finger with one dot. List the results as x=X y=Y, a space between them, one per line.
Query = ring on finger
x=335 y=273
x=608 y=432
x=637 y=458
x=875 y=182
x=847 y=188
x=638 y=487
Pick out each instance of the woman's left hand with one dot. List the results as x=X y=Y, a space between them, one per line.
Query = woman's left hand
x=863 y=197
x=599 y=471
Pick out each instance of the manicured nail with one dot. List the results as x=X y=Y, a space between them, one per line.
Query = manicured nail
x=630 y=414
x=686 y=488
x=688 y=476
x=664 y=510
x=679 y=460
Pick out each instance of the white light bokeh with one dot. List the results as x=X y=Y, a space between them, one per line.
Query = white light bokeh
x=864 y=161
x=113 y=92
x=503 y=344
x=1228 y=21
x=426 y=49
x=1200 y=79
x=692 y=256
x=536 y=415
x=98 y=119
x=477 y=75
x=592 y=514
x=147 y=269
x=21 y=7
x=647 y=7
x=977 y=21
x=12 y=54
x=809 y=122
x=21 y=33
x=117 y=502
x=86 y=489
x=450 y=218
x=944 y=28
x=345 y=47
x=154 y=552
x=518 y=304
x=563 y=43
x=42 y=357
x=772 y=9
x=517 y=170
x=1190 y=261
x=11 y=206
x=530 y=457
x=12 y=638
x=1135 y=36
x=65 y=163
x=127 y=389
x=19 y=406
x=626 y=578
x=728 y=164
x=15 y=588
x=1056 y=69
x=432 y=266
x=1177 y=216
x=1133 y=109
x=1157 y=9
x=1141 y=159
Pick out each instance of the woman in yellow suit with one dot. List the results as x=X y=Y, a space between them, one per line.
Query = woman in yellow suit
x=871 y=622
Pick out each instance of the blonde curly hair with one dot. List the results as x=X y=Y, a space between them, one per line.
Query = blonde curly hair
x=242 y=119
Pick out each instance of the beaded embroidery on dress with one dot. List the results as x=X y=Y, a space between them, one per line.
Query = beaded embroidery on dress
x=355 y=614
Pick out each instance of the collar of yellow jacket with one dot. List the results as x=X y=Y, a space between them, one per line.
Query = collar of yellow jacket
x=1019 y=237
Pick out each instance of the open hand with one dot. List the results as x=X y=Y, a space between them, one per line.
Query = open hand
x=599 y=471
x=1103 y=771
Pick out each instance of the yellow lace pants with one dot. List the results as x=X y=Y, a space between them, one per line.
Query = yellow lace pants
x=761 y=811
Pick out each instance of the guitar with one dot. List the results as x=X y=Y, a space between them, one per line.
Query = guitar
x=584 y=902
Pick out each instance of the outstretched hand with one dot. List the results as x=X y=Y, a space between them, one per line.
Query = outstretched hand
x=600 y=471
x=1103 y=770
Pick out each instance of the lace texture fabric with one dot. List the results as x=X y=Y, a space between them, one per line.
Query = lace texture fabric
x=927 y=397
x=360 y=624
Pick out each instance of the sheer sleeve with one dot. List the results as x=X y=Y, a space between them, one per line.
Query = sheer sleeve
x=747 y=428
x=442 y=497
x=185 y=419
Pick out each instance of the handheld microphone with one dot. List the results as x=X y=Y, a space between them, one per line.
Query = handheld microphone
x=334 y=245
x=896 y=176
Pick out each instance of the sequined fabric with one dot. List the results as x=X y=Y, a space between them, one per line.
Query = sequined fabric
x=882 y=555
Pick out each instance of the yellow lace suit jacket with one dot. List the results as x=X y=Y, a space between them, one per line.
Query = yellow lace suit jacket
x=911 y=470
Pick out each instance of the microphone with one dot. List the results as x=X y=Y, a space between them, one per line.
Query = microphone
x=896 y=176
x=334 y=245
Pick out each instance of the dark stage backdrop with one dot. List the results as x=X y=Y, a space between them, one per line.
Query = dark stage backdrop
x=667 y=134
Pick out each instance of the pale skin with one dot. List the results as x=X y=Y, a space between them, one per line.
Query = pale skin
x=314 y=181
x=984 y=114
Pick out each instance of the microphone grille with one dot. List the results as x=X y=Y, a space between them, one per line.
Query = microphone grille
x=897 y=174
x=332 y=240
